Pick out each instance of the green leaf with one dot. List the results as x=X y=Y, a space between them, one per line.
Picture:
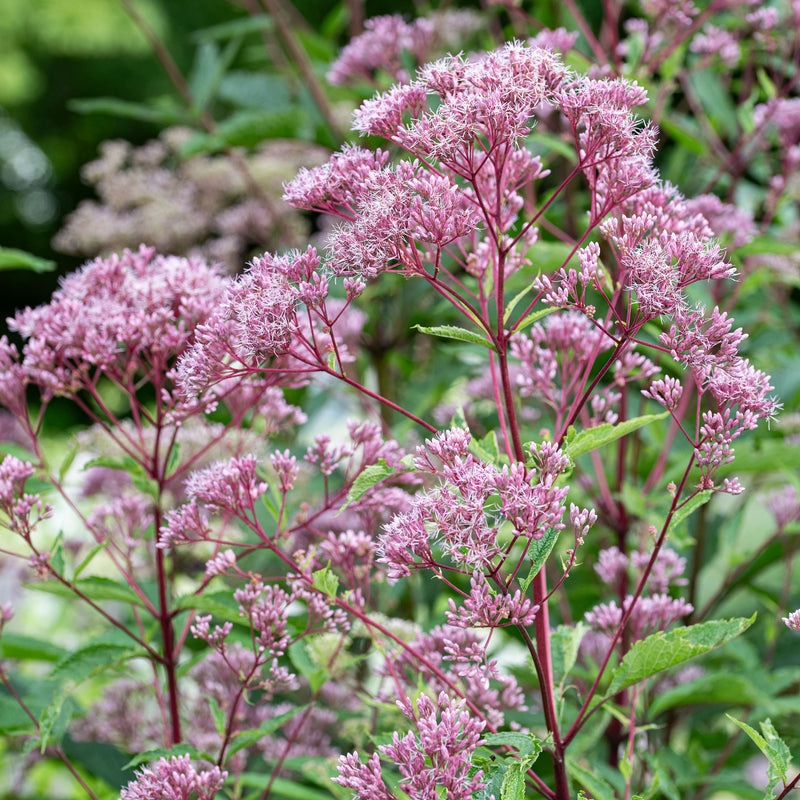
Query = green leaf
x=486 y=449
x=88 y=558
x=325 y=580
x=236 y=27
x=315 y=674
x=552 y=142
x=526 y=743
x=691 y=505
x=366 y=479
x=513 y=787
x=220 y=604
x=454 y=332
x=168 y=752
x=68 y=459
x=735 y=689
x=578 y=444
x=765 y=457
x=535 y=316
x=249 y=127
x=666 y=649
x=136 y=472
x=772 y=746
x=165 y=113
x=538 y=553
x=57 y=554
x=13 y=718
x=766 y=244
x=209 y=69
x=597 y=786
x=684 y=134
x=94 y=587
x=19 y=647
x=94 y=658
x=564 y=642
x=514 y=300
x=251 y=736
x=52 y=722
x=282 y=787
x=220 y=717
x=255 y=90
x=173 y=459
x=11 y=258
x=715 y=99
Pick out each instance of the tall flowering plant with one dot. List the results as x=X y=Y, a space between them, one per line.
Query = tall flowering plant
x=573 y=366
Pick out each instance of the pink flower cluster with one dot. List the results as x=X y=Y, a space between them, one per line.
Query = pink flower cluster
x=463 y=514
x=14 y=502
x=120 y=316
x=438 y=758
x=175 y=779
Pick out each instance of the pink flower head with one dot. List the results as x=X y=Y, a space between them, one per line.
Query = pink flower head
x=792 y=622
x=174 y=779
x=118 y=314
x=380 y=47
x=227 y=485
x=439 y=757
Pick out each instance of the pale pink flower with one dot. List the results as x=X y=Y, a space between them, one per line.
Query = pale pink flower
x=174 y=779
x=792 y=622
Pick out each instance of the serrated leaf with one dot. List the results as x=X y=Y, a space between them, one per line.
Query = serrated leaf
x=366 y=479
x=251 y=736
x=49 y=718
x=11 y=258
x=534 y=316
x=92 y=659
x=525 y=743
x=564 y=642
x=454 y=332
x=94 y=587
x=597 y=786
x=538 y=553
x=578 y=444
x=771 y=745
x=513 y=786
x=13 y=718
x=19 y=647
x=666 y=649
x=691 y=505
x=326 y=581
x=168 y=752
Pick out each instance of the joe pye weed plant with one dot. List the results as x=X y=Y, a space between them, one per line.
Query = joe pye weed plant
x=478 y=600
